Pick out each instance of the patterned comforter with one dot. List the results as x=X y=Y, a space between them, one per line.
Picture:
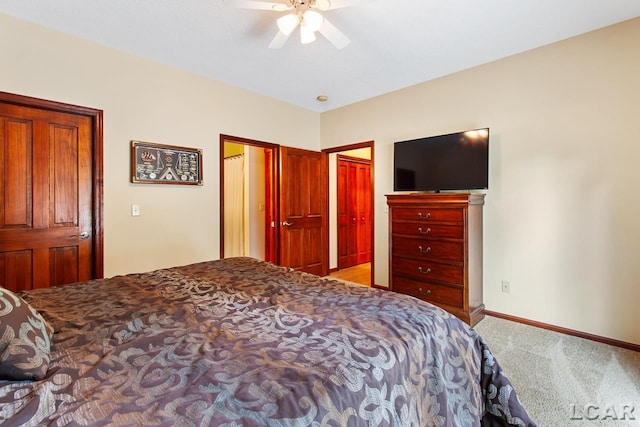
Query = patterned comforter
x=240 y=342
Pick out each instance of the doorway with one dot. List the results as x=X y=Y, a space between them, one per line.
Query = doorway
x=350 y=205
x=285 y=221
x=248 y=198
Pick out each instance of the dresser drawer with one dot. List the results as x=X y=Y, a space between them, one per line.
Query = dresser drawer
x=429 y=291
x=428 y=249
x=428 y=230
x=426 y=270
x=427 y=214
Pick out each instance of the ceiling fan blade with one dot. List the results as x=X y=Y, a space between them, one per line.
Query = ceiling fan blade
x=334 y=35
x=338 y=4
x=279 y=40
x=259 y=5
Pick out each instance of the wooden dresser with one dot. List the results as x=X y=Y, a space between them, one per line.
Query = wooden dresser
x=435 y=250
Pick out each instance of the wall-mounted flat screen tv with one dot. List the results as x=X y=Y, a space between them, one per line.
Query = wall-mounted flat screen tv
x=456 y=161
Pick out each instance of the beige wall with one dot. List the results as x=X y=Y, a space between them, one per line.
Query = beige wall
x=147 y=101
x=561 y=215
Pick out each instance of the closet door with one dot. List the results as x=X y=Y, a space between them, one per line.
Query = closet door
x=354 y=211
x=363 y=248
x=47 y=197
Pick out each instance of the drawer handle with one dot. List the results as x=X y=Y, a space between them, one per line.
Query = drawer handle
x=424 y=251
x=424 y=216
x=427 y=231
x=427 y=292
x=427 y=271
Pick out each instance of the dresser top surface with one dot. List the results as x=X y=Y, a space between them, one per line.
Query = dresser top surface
x=440 y=198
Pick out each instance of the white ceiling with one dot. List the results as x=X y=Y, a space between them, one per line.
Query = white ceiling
x=394 y=44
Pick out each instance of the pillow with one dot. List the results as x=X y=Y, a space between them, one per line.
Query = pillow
x=25 y=339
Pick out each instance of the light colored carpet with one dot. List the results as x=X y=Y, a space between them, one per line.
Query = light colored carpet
x=564 y=380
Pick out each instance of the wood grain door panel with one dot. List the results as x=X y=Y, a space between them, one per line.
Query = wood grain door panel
x=302 y=200
x=363 y=197
x=354 y=211
x=343 y=217
x=46 y=165
x=16 y=270
x=15 y=169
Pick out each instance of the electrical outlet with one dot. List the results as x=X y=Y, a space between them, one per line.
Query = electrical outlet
x=506 y=287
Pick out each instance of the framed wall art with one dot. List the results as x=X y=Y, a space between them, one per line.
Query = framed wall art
x=165 y=164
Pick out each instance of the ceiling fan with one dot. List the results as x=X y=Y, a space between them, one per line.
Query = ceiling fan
x=303 y=13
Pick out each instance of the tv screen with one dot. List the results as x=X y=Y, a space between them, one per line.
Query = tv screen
x=456 y=161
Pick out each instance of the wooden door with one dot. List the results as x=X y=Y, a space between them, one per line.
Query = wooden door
x=347 y=213
x=354 y=211
x=47 y=224
x=302 y=211
x=363 y=205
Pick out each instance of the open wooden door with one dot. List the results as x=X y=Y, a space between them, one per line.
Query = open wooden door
x=48 y=221
x=303 y=243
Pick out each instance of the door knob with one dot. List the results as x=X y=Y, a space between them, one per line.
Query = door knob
x=84 y=235
x=287 y=223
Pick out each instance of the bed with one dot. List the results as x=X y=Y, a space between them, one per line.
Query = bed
x=241 y=342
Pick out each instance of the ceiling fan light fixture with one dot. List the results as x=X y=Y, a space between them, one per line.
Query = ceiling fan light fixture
x=323 y=4
x=288 y=23
x=306 y=34
x=313 y=20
